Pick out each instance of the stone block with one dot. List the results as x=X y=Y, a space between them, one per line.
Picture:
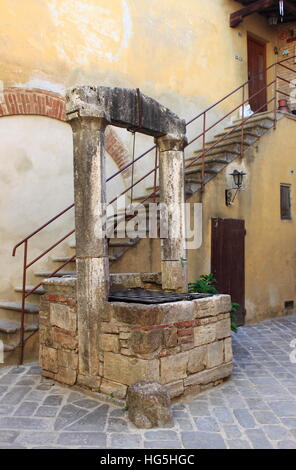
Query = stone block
x=49 y=359
x=175 y=389
x=66 y=376
x=108 y=327
x=64 y=340
x=204 y=334
x=129 y=370
x=173 y=367
x=223 y=329
x=109 y=342
x=215 y=354
x=114 y=389
x=228 y=350
x=67 y=359
x=89 y=381
x=212 y=306
x=63 y=317
x=145 y=342
x=46 y=336
x=149 y=405
x=197 y=359
x=209 y=375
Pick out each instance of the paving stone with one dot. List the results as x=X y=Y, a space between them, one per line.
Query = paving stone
x=275 y=432
x=166 y=435
x=257 y=404
x=53 y=400
x=46 y=411
x=244 y=418
x=12 y=446
x=8 y=436
x=266 y=417
x=116 y=425
x=232 y=431
x=162 y=445
x=14 y=396
x=207 y=424
x=8 y=379
x=93 y=421
x=27 y=408
x=3 y=389
x=82 y=438
x=202 y=440
x=67 y=416
x=284 y=408
x=22 y=423
x=37 y=438
x=223 y=415
x=199 y=409
x=6 y=410
x=184 y=424
x=286 y=444
x=258 y=439
x=238 y=444
x=17 y=370
x=118 y=413
x=125 y=441
x=87 y=403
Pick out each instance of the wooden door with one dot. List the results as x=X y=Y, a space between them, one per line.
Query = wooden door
x=257 y=75
x=228 y=260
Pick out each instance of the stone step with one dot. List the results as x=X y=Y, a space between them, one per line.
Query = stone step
x=45 y=274
x=38 y=291
x=17 y=306
x=10 y=331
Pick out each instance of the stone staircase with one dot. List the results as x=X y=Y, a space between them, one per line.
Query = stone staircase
x=216 y=160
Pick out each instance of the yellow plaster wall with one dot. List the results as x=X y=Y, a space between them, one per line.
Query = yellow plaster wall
x=182 y=53
x=270 y=252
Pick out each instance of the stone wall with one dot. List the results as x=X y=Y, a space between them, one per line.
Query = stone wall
x=185 y=346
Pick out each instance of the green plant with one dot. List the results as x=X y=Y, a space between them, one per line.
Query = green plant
x=234 y=308
x=206 y=285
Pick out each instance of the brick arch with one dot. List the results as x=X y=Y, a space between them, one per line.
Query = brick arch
x=23 y=101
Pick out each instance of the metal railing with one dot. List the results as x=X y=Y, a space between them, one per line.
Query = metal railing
x=204 y=151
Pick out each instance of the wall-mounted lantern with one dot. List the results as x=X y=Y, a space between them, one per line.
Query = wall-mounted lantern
x=230 y=194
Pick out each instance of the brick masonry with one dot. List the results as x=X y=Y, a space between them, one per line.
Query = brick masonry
x=186 y=346
x=20 y=102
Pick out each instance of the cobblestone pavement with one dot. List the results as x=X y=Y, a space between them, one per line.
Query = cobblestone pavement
x=256 y=408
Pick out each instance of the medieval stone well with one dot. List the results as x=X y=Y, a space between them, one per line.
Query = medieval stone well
x=185 y=346
x=103 y=345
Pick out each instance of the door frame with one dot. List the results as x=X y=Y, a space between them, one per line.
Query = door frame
x=260 y=42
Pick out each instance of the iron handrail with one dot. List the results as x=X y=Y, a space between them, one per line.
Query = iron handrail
x=204 y=152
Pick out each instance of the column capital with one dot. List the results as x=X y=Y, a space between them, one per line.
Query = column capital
x=77 y=120
x=170 y=142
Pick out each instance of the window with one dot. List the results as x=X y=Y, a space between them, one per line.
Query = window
x=285 y=201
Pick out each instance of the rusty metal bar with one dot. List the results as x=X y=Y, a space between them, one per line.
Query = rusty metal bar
x=203 y=154
x=242 y=131
x=155 y=172
x=22 y=328
x=50 y=248
x=133 y=165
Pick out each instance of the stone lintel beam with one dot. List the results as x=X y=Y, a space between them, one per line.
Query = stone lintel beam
x=124 y=107
x=171 y=178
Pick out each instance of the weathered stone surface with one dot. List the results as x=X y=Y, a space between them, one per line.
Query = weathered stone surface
x=197 y=359
x=48 y=359
x=223 y=329
x=128 y=370
x=64 y=340
x=66 y=376
x=93 y=383
x=228 y=350
x=145 y=342
x=67 y=359
x=204 y=334
x=149 y=405
x=170 y=337
x=212 y=306
x=113 y=389
x=173 y=367
x=63 y=316
x=107 y=327
x=119 y=281
x=121 y=106
x=175 y=389
x=209 y=375
x=109 y=342
x=215 y=354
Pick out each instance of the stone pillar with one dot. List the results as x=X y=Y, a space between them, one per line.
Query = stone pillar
x=91 y=246
x=171 y=182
